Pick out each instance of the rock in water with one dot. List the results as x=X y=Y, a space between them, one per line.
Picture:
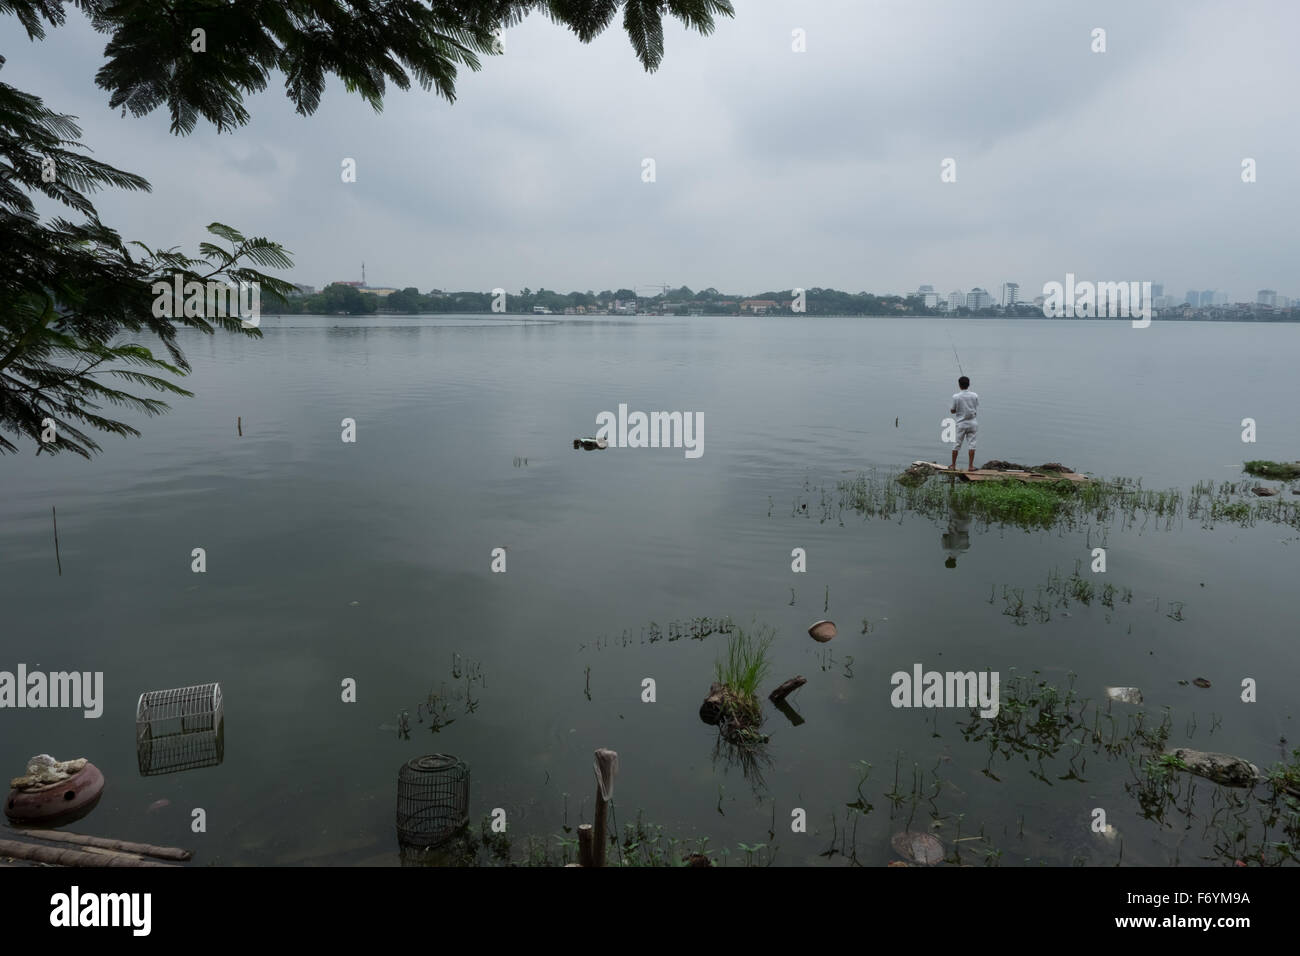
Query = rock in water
x=43 y=770
x=917 y=847
x=1223 y=769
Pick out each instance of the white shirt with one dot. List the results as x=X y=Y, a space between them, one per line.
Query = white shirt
x=964 y=405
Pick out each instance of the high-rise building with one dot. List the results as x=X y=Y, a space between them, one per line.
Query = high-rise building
x=1266 y=297
x=956 y=299
x=930 y=299
x=978 y=298
x=1192 y=297
x=924 y=289
x=1010 y=294
x=1220 y=298
x=1207 y=298
x=1157 y=290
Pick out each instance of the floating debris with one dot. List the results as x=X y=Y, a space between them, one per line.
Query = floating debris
x=822 y=631
x=1201 y=682
x=53 y=792
x=1264 y=492
x=1223 y=769
x=916 y=473
x=793 y=684
x=1125 y=695
x=917 y=847
x=158 y=805
x=591 y=444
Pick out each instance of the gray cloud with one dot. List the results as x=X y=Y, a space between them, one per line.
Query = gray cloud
x=775 y=168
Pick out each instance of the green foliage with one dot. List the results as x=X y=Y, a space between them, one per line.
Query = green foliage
x=746 y=664
x=1033 y=504
x=71 y=292
x=151 y=60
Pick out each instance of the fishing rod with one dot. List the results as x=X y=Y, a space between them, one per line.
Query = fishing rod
x=954 y=353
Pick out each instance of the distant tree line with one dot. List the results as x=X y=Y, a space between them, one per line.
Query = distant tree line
x=337 y=298
x=344 y=299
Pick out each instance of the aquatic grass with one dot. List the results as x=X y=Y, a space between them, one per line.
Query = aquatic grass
x=746 y=663
x=1277 y=470
x=880 y=494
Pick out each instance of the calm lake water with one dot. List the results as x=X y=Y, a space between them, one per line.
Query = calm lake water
x=329 y=560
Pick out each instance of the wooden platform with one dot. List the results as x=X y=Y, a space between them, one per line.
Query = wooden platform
x=979 y=474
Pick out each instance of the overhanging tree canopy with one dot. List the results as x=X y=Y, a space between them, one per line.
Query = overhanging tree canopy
x=70 y=292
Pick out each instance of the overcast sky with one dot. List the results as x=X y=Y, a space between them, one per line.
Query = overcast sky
x=774 y=168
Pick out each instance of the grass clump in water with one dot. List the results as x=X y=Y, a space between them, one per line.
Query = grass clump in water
x=733 y=703
x=1038 y=504
x=1277 y=470
x=740 y=673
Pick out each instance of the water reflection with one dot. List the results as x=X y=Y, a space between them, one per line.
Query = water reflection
x=956 y=540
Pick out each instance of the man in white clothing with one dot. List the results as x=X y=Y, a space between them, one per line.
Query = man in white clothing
x=965 y=405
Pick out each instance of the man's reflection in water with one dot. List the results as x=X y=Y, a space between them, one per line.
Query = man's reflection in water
x=956 y=539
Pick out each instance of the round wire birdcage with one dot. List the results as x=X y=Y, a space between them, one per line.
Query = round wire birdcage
x=432 y=800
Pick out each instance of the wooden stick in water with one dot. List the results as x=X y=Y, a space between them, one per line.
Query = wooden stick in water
x=81 y=839
x=64 y=857
x=606 y=765
x=55 y=512
x=585 y=854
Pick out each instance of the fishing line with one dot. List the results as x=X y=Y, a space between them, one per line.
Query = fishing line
x=954 y=353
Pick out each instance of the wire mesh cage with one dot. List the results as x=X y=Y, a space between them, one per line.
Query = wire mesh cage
x=180 y=729
x=432 y=801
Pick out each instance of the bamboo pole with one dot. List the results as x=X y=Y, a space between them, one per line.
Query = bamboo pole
x=239 y=424
x=64 y=857
x=81 y=839
x=585 y=833
x=599 y=837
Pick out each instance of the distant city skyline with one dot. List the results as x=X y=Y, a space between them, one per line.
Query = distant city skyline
x=1010 y=293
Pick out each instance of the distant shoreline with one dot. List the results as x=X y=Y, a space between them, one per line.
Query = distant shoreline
x=733 y=315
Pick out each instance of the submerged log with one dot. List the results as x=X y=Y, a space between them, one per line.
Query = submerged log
x=65 y=857
x=780 y=694
x=81 y=839
x=711 y=709
x=1223 y=769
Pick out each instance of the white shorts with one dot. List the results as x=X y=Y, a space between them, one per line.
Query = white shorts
x=966 y=430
